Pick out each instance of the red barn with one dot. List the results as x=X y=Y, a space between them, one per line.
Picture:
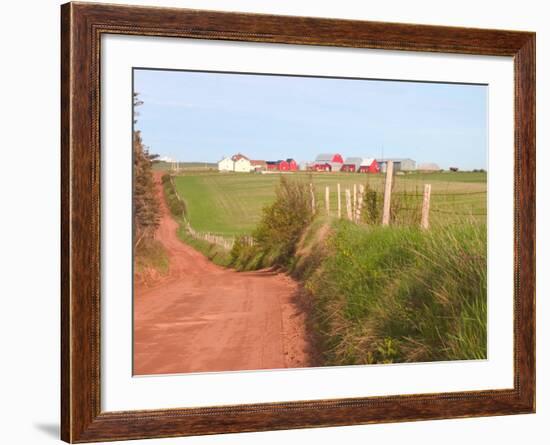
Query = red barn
x=288 y=165
x=328 y=162
x=283 y=166
x=369 y=165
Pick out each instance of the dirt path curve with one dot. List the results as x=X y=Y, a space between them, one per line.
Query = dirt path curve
x=203 y=317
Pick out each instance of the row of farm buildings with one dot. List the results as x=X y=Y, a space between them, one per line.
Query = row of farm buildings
x=325 y=162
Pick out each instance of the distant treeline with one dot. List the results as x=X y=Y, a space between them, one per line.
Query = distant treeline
x=165 y=166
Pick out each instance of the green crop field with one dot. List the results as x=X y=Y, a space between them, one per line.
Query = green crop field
x=448 y=176
x=231 y=203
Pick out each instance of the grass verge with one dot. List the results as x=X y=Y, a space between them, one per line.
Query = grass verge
x=389 y=295
x=150 y=258
x=215 y=253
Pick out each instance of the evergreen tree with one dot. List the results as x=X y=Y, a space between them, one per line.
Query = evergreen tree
x=146 y=204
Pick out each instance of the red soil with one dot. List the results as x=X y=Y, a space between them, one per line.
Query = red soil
x=203 y=317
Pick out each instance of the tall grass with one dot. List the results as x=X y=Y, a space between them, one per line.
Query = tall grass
x=150 y=259
x=399 y=294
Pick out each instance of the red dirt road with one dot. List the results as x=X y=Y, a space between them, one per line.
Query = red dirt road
x=203 y=317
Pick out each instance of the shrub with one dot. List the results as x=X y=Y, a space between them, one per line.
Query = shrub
x=176 y=205
x=283 y=222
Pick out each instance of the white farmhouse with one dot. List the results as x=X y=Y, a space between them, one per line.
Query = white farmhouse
x=226 y=165
x=243 y=165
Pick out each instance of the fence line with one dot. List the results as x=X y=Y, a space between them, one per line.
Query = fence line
x=354 y=202
x=452 y=212
x=387 y=194
x=212 y=238
x=355 y=205
x=420 y=194
x=424 y=221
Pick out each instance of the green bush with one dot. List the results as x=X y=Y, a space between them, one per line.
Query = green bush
x=245 y=256
x=177 y=206
x=283 y=222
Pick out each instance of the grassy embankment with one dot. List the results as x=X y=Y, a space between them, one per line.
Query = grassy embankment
x=148 y=256
x=398 y=294
x=178 y=208
x=379 y=294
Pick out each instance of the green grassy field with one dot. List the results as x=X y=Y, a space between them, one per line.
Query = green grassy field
x=448 y=176
x=230 y=204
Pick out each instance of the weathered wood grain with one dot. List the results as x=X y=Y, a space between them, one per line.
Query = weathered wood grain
x=81 y=28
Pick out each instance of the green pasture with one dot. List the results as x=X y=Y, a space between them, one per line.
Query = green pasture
x=448 y=176
x=231 y=203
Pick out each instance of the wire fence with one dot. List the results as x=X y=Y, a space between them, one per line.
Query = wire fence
x=222 y=241
x=405 y=207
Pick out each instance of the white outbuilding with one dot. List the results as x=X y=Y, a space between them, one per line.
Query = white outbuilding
x=243 y=165
x=226 y=165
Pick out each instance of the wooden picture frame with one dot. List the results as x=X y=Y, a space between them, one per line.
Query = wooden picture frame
x=82 y=26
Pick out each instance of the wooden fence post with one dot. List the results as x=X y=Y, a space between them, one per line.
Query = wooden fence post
x=339 y=201
x=312 y=197
x=354 y=202
x=425 y=222
x=359 y=203
x=327 y=199
x=348 y=203
x=387 y=193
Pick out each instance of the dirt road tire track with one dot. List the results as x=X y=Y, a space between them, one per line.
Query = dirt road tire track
x=204 y=318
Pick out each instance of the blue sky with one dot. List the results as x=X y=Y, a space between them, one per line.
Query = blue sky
x=196 y=116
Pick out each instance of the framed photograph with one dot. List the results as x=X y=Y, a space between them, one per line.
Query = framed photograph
x=275 y=222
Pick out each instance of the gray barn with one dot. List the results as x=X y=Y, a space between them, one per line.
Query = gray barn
x=399 y=164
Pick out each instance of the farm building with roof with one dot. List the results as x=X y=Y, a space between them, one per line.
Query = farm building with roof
x=237 y=163
x=243 y=165
x=282 y=165
x=331 y=162
x=351 y=165
x=369 y=165
x=226 y=165
x=238 y=156
x=399 y=164
x=360 y=165
x=258 y=165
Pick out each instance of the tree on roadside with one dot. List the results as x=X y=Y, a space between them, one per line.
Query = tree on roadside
x=145 y=202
